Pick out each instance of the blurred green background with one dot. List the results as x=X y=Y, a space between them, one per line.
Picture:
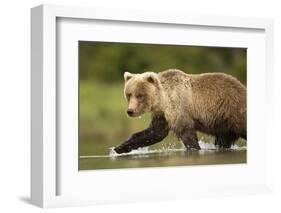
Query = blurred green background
x=103 y=120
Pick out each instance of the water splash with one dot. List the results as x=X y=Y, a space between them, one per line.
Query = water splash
x=206 y=146
x=166 y=150
x=210 y=146
x=143 y=151
x=112 y=153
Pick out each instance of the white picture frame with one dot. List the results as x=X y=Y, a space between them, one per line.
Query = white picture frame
x=47 y=165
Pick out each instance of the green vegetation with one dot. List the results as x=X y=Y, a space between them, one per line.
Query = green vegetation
x=103 y=120
x=107 y=62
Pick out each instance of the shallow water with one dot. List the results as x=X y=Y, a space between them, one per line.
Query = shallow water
x=145 y=157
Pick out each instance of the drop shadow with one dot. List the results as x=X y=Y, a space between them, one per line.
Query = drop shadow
x=26 y=200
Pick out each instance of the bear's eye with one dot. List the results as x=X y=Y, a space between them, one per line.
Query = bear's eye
x=129 y=96
x=140 y=96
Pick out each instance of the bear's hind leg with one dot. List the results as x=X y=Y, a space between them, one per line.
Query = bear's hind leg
x=189 y=139
x=225 y=140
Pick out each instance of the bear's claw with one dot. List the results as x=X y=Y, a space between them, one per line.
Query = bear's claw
x=121 y=149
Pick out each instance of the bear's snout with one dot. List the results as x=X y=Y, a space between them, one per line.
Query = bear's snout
x=130 y=112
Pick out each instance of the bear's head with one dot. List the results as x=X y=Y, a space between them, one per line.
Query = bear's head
x=141 y=92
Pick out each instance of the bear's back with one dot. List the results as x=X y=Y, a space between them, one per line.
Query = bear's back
x=173 y=78
x=219 y=101
x=171 y=74
x=215 y=100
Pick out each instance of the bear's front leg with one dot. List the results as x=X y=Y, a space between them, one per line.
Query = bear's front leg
x=189 y=139
x=156 y=132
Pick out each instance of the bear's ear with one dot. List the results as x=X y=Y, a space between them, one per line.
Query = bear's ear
x=128 y=76
x=152 y=78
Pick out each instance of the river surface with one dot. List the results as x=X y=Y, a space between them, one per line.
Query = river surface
x=145 y=157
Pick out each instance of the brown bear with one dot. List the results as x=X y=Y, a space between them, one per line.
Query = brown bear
x=213 y=103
